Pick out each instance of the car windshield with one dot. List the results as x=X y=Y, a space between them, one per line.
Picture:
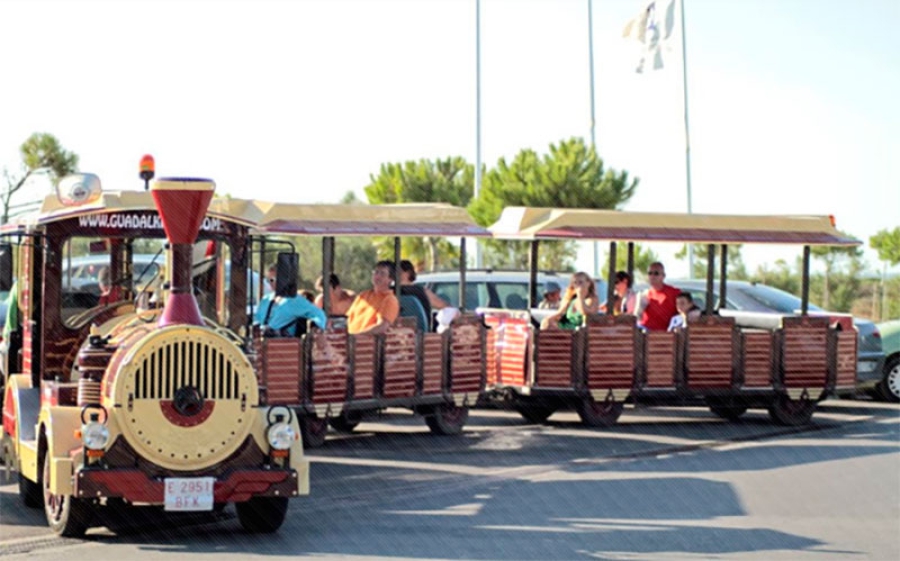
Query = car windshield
x=774 y=299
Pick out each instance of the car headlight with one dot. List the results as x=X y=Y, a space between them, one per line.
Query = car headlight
x=95 y=436
x=281 y=436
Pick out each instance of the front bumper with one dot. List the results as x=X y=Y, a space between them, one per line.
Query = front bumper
x=136 y=486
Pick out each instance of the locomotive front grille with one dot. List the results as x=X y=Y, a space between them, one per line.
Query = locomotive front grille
x=195 y=364
x=185 y=396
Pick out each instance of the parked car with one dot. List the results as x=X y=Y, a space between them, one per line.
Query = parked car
x=762 y=305
x=488 y=288
x=889 y=386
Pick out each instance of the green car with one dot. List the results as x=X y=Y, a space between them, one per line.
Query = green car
x=889 y=387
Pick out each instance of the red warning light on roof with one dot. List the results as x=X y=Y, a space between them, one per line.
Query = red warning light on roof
x=148 y=167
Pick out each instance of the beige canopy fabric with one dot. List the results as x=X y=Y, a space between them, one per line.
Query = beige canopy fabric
x=425 y=219
x=410 y=219
x=524 y=223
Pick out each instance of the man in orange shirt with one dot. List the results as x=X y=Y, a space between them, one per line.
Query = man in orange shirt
x=374 y=310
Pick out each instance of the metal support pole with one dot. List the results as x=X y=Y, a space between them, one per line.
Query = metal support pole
x=462 y=274
x=804 y=290
x=710 y=276
x=611 y=283
x=397 y=258
x=327 y=268
x=533 y=272
x=723 y=277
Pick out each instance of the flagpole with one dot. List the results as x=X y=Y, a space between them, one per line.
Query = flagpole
x=687 y=135
x=479 y=263
x=593 y=113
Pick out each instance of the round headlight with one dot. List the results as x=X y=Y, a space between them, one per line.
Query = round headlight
x=281 y=436
x=95 y=436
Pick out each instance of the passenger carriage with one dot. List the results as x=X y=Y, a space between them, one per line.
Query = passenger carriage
x=342 y=377
x=725 y=359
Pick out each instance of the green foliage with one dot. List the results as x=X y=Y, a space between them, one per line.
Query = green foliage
x=780 y=276
x=643 y=257
x=450 y=181
x=737 y=270
x=570 y=176
x=41 y=152
x=887 y=243
x=354 y=258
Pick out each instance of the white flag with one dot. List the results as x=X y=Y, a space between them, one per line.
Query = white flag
x=654 y=28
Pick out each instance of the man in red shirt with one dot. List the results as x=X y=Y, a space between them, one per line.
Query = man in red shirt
x=657 y=303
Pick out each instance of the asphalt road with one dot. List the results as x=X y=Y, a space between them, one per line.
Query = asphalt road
x=664 y=483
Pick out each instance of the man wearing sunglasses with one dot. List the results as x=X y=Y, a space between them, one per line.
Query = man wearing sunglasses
x=657 y=303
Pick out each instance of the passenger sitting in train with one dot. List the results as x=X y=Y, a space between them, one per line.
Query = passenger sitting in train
x=687 y=310
x=624 y=298
x=656 y=305
x=375 y=309
x=108 y=292
x=429 y=300
x=579 y=300
x=341 y=299
x=280 y=314
x=552 y=296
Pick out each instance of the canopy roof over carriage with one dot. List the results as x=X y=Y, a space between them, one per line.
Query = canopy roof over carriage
x=420 y=219
x=528 y=223
x=244 y=212
x=411 y=219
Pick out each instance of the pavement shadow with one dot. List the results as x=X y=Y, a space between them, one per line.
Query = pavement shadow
x=508 y=520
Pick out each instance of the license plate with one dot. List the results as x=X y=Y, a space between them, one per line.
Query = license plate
x=189 y=493
x=867 y=366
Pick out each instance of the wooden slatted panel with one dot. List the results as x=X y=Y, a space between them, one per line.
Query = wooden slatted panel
x=400 y=348
x=804 y=358
x=757 y=358
x=508 y=345
x=846 y=358
x=467 y=358
x=709 y=352
x=611 y=352
x=659 y=358
x=432 y=363
x=553 y=365
x=329 y=367
x=364 y=366
x=282 y=358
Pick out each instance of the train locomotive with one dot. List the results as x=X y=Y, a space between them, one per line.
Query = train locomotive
x=111 y=404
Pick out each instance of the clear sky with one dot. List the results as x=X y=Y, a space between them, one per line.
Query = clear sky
x=793 y=104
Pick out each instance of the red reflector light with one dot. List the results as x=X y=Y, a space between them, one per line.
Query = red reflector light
x=279 y=453
x=94 y=453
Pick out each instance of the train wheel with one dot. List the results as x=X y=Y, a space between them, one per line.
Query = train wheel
x=30 y=492
x=67 y=516
x=889 y=387
x=792 y=412
x=599 y=413
x=533 y=412
x=345 y=422
x=726 y=409
x=447 y=419
x=262 y=515
x=313 y=430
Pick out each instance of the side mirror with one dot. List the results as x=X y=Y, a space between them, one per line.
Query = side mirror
x=287 y=271
x=6 y=267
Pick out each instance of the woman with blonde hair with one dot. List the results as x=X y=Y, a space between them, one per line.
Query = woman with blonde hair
x=579 y=300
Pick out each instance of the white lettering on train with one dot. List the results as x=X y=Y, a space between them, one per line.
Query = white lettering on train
x=138 y=222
